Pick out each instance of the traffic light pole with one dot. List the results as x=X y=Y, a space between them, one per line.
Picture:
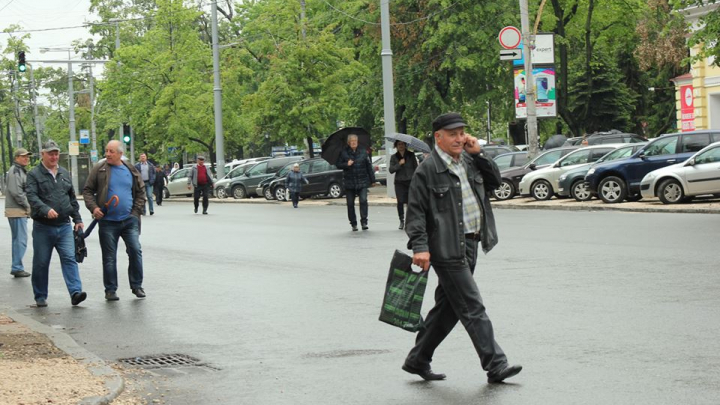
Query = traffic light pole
x=35 y=110
x=18 y=131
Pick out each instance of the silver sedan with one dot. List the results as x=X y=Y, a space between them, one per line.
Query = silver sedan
x=698 y=175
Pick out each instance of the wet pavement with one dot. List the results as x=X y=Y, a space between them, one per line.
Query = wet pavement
x=281 y=306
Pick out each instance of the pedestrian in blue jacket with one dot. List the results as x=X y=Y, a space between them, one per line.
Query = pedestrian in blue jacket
x=294 y=182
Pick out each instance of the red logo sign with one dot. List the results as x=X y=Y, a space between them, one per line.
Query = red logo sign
x=687 y=108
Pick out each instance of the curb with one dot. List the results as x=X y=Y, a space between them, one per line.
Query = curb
x=97 y=366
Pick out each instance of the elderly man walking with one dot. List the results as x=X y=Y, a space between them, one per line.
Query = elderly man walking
x=108 y=179
x=53 y=203
x=17 y=210
x=449 y=212
x=147 y=173
x=200 y=178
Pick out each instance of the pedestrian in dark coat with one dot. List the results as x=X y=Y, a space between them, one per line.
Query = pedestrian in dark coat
x=294 y=182
x=358 y=175
x=403 y=163
x=449 y=212
x=159 y=186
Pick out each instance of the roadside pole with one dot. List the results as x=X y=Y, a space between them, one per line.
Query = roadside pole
x=16 y=115
x=388 y=91
x=217 y=92
x=35 y=110
x=529 y=80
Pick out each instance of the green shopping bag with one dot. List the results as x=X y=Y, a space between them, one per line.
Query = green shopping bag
x=404 y=293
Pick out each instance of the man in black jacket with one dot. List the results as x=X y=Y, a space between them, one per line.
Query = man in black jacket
x=449 y=212
x=358 y=175
x=53 y=204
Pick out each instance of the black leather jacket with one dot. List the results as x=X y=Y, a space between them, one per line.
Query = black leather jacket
x=45 y=192
x=434 y=218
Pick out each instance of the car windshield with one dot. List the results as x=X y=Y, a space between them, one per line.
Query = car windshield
x=257 y=170
x=709 y=156
x=547 y=158
x=617 y=154
x=575 y=158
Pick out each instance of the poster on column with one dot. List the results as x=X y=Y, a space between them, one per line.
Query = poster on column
x=545 y=103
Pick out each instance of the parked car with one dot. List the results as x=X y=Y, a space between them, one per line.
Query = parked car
x=614 y=136
x=380 y=164
x=490 y=151
x=572 y=183
x=221 y=186
x=511 y=177
x=237 y=162
x=573 y=141
x=263 y=187
x=177 y=182
x=323 y=179
x=698 y=175
x=245 y=185
x=616 y=181
x=512 y=159
x=541 y=184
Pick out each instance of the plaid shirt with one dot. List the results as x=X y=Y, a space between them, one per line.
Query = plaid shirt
x=472 y=214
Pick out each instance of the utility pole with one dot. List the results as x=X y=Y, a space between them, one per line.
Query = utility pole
x=117 y=46
x=73 y=135
x=529 y=80
x=217 y=92
x=18 y=130
x=35 y=109
x=92 y=110
x=132 y=144
x=388 y=91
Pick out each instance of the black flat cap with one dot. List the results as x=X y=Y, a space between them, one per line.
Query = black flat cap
x=448 y=121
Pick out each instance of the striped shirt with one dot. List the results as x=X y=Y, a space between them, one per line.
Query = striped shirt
x=472 y=214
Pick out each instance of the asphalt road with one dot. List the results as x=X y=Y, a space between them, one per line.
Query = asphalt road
x=599 y=308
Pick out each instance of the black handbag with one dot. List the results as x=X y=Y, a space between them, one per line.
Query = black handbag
x=404 y=293
x=80 y=248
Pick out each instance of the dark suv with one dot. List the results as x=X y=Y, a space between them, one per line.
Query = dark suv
x=245 y=185
x=616 y=181
x=323 y=179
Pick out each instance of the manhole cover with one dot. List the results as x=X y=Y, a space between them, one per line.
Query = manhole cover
x=163 y=361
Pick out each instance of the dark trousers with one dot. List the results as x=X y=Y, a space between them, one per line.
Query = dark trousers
x=401 y=210
x=158 y=190
x=350 y=197
x=205 y=190
x=110 y=233
x=295 y=198
x=457 y=297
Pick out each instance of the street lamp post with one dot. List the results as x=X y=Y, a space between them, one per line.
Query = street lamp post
x=217 y=91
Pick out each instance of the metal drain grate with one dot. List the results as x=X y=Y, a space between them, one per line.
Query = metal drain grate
x=163 y=361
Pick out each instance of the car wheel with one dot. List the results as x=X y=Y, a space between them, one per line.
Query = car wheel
x=612 y=190
x=268 y=194
x=670 y=192
x=166 y=192
x=541 y=190
x=238 y=192
x=221 y=193
x=335 y=191
x=505 y=191
x=280 y=193
x=580 y=191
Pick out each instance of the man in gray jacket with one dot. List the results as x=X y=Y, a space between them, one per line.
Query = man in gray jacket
x=17 y=210
x=201 y=179
x=449 y=212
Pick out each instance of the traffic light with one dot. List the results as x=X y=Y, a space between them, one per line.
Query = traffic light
x=21 y=61
x=126 y=134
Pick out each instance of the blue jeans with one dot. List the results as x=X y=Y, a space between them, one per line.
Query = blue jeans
x=45 y=238
x=18 y=228
x=350 y=197
x=110 y=232
x=149 y=196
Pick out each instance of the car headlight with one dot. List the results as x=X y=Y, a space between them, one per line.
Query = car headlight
x=649 y=177
x=591 y=171
x=563 y=177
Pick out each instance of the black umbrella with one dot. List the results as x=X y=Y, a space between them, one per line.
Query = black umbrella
x=104 y=210
x=337 y=141
x=555 y=141
x=411 y=141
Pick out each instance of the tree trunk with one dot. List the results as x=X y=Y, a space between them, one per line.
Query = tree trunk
x=563 y=81
x=588 y=60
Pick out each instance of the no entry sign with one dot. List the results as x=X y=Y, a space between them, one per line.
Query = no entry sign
x=509 y=37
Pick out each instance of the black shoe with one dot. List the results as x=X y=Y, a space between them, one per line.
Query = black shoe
x=152 y=212
x=21 y=273
x=402 y=224
x=196 y=210
x=426 y=375
x=41 y=303
x=365 y=227
x=139 y=292
x=111 y=296
x=78 y=297
x=354 y=228
x=204 y=212
x=508 y=372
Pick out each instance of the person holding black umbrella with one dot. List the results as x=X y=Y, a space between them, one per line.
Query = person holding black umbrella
x=116 y=177
x=403 y=163
x=358 y=175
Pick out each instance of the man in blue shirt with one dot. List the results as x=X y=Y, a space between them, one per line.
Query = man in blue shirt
x=115 y=177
